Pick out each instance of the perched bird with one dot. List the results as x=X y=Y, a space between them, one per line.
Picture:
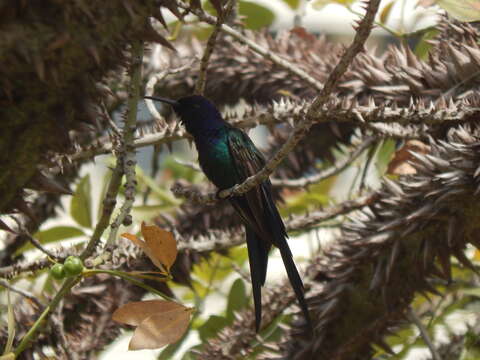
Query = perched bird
x=227 y=156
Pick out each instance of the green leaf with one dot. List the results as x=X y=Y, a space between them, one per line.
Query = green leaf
x=423 y=46
x=215 y=268
x=211 y=327
x=316 y=197
x=272 y=333
x=320 y=4
x=472 y=292
x=81 y=204
x=385 y=13
x=162 y=194
x=256 y=16
x=384 y=156
x=180 y=171
x=294 y=4
x=56 y=233
x=238 y=254
x=105 y=182
x=10 y=325
x=463 y=10
x=237 y=298
x=189 y=355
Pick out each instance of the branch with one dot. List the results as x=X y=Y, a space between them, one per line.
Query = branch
x=218 y=240
x=149 y=88
x=413 y=122
x=128 y=149
x=200 y=86
x=331 y=171
x=22 y=292
x=282 y=62
x=313 y=219
x=424 y=333
x=314 y=110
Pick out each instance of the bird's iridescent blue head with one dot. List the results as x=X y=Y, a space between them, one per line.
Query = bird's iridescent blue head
x=196 y=112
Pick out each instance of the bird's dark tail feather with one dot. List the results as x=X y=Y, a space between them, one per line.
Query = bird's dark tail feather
x=280 y=241
x=258 y=255
x=295 y=281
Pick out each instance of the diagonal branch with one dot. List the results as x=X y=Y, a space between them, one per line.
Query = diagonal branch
x=314 y=110
x=280 y=61
x=331 y=171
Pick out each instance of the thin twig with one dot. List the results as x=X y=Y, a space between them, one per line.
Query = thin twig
x=331 y=171
x=188 y=164
x=57 y=321
x=423 y=333
x=282 y=62
x=108 y=205
x=313 y=219
x=110 y=121
x=22 y=292
x=314 y=111
x=128 y=137
x=221 y=240
x=202 y=75
x=39 y=246
x=152 y=81
x=10 y=271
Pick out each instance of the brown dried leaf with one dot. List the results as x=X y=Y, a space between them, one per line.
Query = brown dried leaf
x=161 y=329
x=399 y=164
x=145 y=249
x=303 y=34
x=159 y=245
x=135 y=312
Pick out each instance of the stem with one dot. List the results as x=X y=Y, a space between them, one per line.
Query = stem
x=388 y=29
x=423 y=333
x=129 y=278
x=128 y=140
x=32 y=333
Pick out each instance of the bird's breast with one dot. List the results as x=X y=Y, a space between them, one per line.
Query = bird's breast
x=217 y=164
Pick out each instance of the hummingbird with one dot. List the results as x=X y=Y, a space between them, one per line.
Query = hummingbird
x=227 y=156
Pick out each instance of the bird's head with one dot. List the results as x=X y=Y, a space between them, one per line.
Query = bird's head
x=196 y=112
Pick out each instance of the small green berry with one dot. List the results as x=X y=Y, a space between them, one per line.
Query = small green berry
x=57 y=271
x=73 y=266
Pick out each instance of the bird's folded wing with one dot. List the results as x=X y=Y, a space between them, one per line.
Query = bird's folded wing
x=248 y=161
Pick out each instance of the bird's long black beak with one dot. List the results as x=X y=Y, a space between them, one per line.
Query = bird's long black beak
x=162 y=99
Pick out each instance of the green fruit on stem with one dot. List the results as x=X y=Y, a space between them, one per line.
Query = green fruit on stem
x=73 y=266
x=57 y=271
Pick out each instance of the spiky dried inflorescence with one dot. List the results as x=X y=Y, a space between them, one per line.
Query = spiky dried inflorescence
x=362 y=285
x=235 y=341
x=396 y=76
x=390 y=250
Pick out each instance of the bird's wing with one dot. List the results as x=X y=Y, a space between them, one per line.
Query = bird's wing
x=251 y=208
x=248 y=161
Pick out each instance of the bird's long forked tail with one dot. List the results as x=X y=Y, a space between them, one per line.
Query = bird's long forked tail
x=295 y=281
x=258 y=259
